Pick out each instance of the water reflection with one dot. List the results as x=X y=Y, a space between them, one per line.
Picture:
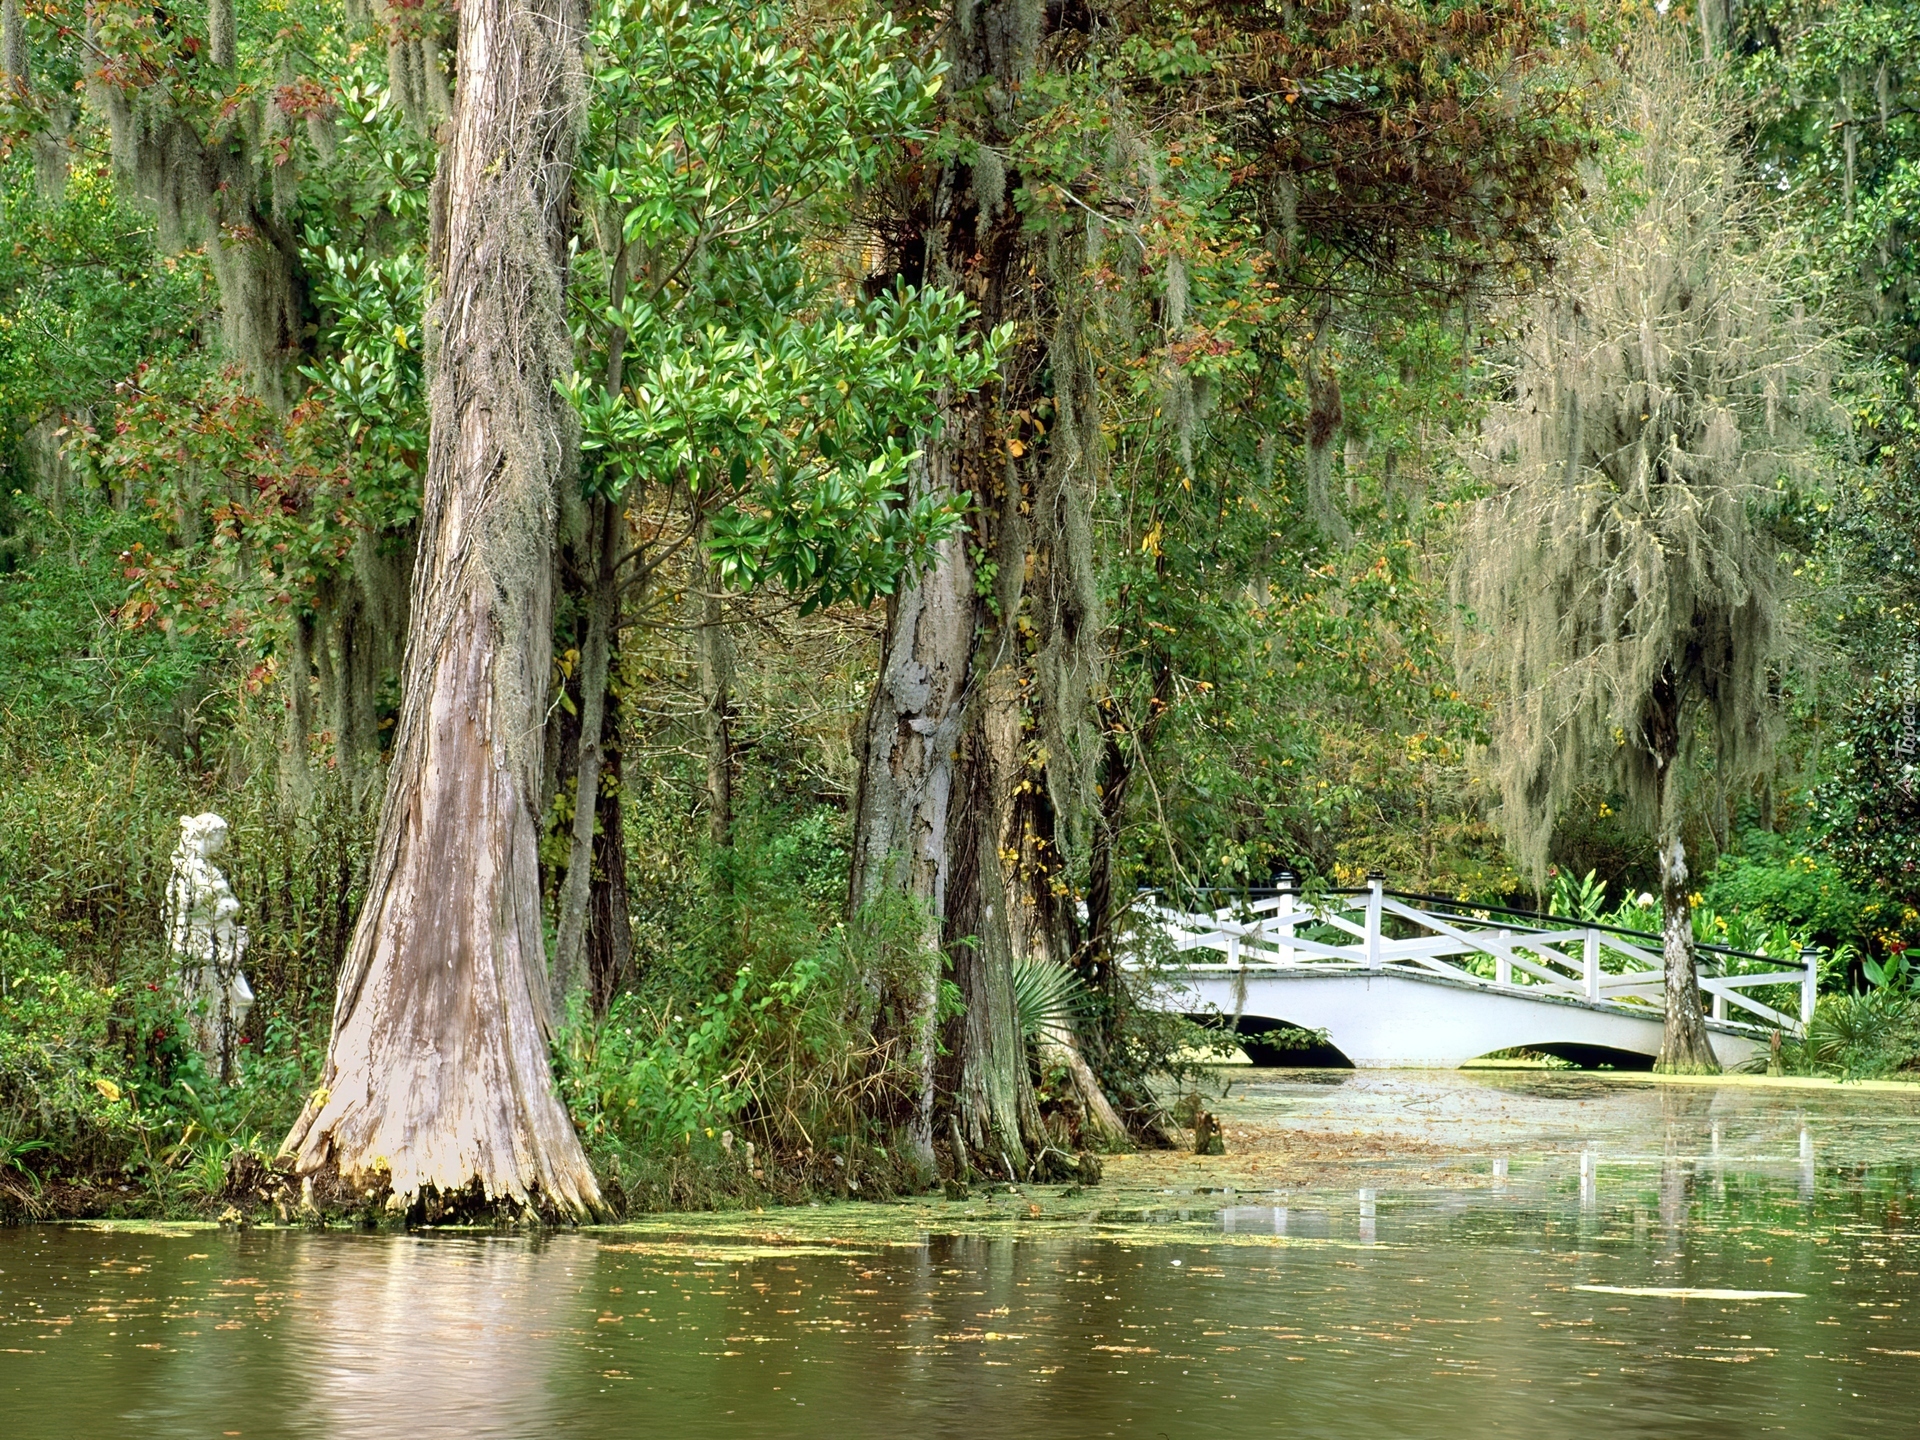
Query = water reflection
x=1254 y=1219
x=465 y=1330
x=1385 y=1308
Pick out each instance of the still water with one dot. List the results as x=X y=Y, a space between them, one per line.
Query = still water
x=1394 y=1309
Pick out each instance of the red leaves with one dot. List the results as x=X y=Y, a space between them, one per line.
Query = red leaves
x=304 y=97
x=1388 y=126
x=260 y=510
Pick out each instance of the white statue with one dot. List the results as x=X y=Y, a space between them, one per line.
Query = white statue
x=206 y=944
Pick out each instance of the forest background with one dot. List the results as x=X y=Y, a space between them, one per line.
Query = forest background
x=1240 y=288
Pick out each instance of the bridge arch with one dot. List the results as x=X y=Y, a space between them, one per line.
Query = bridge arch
x=1397 y=1017
x=1594 y=1057
x=1251 y=1032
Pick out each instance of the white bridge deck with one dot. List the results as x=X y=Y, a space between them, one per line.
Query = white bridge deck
x=1399 y=980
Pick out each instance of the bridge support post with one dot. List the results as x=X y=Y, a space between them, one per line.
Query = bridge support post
x=1809 y=985
x=1503 y=960
x=1376 y=881
x=1284 y=913
x=1593 y=963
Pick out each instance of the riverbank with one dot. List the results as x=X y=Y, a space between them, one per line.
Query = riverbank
x=1330 y=1137
x=1295 y=1133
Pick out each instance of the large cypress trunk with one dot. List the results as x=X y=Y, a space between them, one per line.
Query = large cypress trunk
x=988 y=924
x=437 y=1078
x=903 y=811
x=934 y=821
x=954 y=810
x=928 y=816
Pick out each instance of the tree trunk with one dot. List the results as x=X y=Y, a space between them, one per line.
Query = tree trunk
x=716 y=713
x=1684 y=1046
x=901 y=810
x=570 y=921
x=607 y=944
x=437 y=1079
x=987 y=1071
x=955 y=809
x=296 y=679
x=609 y=913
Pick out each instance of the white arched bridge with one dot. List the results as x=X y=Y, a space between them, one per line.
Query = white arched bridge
x=1394 y=979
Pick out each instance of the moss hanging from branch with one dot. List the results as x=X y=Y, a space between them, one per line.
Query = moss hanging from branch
x=416 y=62
x=1069 y=654
x=1628 y=602
x=223 y=39
x=1663 y=389
x=205 y=190
x=13 y=44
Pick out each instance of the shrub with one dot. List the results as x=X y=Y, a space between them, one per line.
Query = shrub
x=1781 y=880
x=1857 y=1036
x=61 y=1099
x=1869 y=813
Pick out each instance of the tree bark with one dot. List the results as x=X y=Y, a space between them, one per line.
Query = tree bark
x=987 y=1067
x=570 y=924
x=437 y=1079
x=609 y=916
x=716 y=713
x=954 y=809
x=901 y=809
x=1684 y=1046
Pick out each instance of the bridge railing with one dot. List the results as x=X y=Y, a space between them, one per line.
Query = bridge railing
x=1533 y=954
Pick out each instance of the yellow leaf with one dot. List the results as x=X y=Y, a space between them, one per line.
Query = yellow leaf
x=107 y=1088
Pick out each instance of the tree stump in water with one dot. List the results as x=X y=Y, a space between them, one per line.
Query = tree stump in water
x=1207 y=1139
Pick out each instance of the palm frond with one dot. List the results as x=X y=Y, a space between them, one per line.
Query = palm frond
x=1046 y=997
